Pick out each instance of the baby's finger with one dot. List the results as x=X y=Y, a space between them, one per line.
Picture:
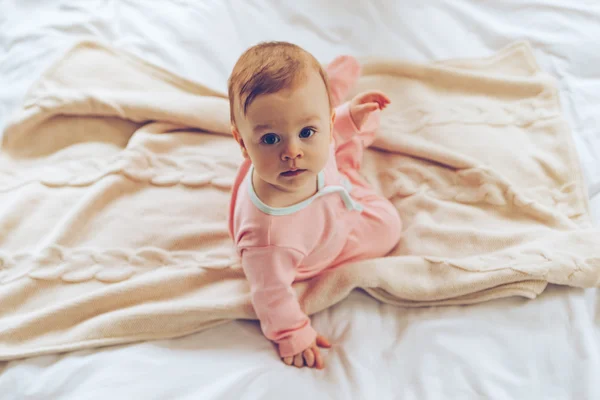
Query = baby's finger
x=370 y=107
x=288 y=360
x=383 y=98
x=318 y=358
x=376 y=96
x=382 y=102
x=309 y=357
x=298 y=360
x=323 y=342
x=365 y=108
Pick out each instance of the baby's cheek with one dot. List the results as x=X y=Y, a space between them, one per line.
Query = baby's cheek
x=266 y=167
x=325 y=153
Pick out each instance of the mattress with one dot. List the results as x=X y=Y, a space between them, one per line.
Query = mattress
x=547 y=348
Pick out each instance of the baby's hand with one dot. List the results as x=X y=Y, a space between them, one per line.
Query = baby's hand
x=364 y=104
x=310 y=357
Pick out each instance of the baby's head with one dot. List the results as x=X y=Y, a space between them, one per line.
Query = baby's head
x=281 y=113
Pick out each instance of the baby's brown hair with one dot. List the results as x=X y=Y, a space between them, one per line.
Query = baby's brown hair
x=269 y=67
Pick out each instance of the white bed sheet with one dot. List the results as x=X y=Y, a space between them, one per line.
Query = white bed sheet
x=548 y=348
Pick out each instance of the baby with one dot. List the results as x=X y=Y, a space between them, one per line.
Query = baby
x=299 y=205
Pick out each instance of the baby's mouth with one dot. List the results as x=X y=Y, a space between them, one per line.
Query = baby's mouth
x=293 y=172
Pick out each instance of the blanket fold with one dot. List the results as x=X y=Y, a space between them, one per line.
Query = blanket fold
x=115 y=178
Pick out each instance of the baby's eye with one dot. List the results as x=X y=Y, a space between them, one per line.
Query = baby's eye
x=270 y=138
x=307 y=132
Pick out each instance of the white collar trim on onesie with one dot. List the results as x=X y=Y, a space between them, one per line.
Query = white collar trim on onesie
x=343 y=191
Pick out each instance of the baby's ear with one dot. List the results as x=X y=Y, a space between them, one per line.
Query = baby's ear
x=331 y=123
x=238 y=138
x=235 y=133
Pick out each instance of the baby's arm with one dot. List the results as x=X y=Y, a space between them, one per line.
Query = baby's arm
x=356 y=115
x=271 y=271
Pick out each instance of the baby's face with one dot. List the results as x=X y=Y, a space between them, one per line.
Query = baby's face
x=287 y=134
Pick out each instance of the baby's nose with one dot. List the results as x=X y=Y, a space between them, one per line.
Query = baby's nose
x=291 y=151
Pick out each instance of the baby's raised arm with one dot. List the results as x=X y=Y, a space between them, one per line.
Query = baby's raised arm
x=358 y=115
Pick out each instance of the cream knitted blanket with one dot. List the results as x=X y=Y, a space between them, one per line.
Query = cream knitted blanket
x=115 y=178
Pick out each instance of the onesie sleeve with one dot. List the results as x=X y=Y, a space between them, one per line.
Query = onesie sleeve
x=343 y=125
x=270 y=271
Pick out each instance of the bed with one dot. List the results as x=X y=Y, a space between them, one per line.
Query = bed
x=505 y=349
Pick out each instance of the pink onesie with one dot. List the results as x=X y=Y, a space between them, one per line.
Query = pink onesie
x=344 y=221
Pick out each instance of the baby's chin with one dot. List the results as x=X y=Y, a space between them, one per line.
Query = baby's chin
x=296 y=180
